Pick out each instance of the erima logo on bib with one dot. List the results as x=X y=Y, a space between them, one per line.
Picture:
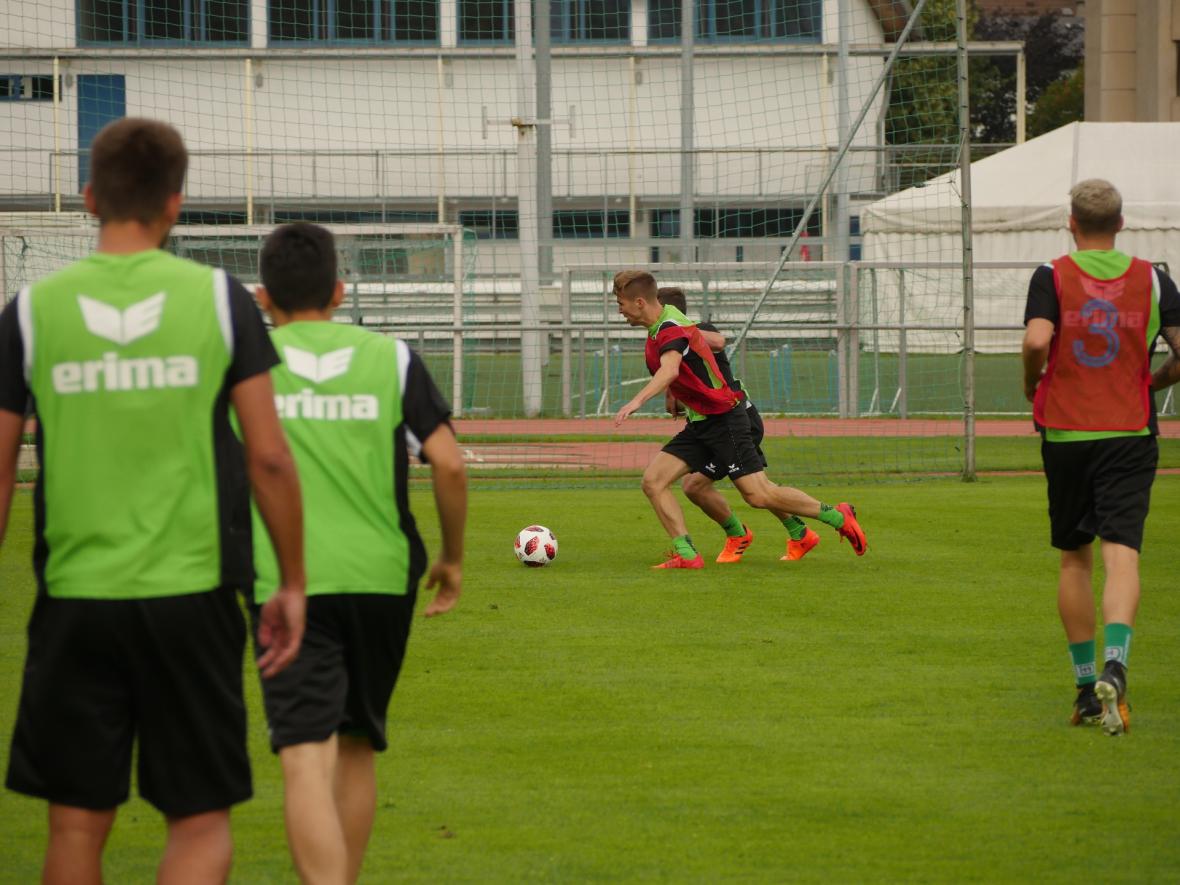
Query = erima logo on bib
x=110 y=372
x=308 y=404
x=318 y=368
x=122 y=326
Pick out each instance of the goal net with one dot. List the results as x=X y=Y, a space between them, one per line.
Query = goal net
x=489 y=164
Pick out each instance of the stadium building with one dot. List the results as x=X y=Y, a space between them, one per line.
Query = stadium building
x=403 y=111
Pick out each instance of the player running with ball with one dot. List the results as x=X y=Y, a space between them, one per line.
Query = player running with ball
x=718 y=430
x=698 y=486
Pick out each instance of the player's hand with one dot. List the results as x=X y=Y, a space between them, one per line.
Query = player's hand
x=280 y=628
x=672 y=405
x=626 y=412
x=1030 y=388
x=448 y=577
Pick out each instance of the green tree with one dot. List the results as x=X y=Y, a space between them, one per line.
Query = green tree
x=922 y=120
x=1062 y=102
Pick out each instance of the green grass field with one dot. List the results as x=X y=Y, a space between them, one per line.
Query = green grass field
x=901 y=717
x=804 y=384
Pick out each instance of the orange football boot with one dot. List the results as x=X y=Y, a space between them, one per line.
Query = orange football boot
x=735 y=547
x=851 y=530
x=678 y=561
x=796 y=550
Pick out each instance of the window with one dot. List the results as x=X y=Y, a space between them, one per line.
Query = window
x=729 y=20
x=578 y=224
x=570 y=21
x=211 y=216
x=589 y=21
x=351 y=216
x=144 y=22
x=492 y=225
x=486 y=21
x=733 y=223
x=854 y=242
x=353 y=21
x=26 y=87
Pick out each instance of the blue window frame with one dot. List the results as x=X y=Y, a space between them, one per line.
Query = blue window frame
x=570 y=21
x=723 y=21
x=148 y=22
x=490 y=224
x=733 y=223
x=590 y=21
x=355 y=216
x=584 y=224
x=26 y=87
x=352 y=21
x=486 y=21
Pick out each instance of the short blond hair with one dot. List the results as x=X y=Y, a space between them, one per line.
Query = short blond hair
x=1096 y=206
x=635 y=284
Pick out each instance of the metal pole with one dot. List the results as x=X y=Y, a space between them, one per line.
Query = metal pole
x=968 y=255
x=440 y=131
x=840 y=222
x=687 y=98
x=526 y=186
x=248 y=127
x=810 y=210
x=849 y=274
x=457 y=336
x=903 y=397
x=57 y=136
x=544 y=115
x=837 y=229
x=566 y=339
x=1021 y=96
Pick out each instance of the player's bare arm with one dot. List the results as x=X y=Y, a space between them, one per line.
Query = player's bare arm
x=1034 y=353
x=672 y=405
x=11 y=428
x=1169 y=373
x=715 y=340
x=275 y=484
x=449 y=478
x=664 y=376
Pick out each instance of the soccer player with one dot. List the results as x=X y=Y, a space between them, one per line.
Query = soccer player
x=1094 y=316
x=698 y=486
x=130 y=359
x=354 y=405
x=718 y=430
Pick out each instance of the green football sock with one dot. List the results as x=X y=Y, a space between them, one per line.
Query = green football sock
x=733 y=527
x=795 y=527
x=1082 y=654
x=1118 y=643
x=682 y=545
x=831 y=516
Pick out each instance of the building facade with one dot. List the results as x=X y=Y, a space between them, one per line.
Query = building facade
x=410 y=110
x=1131 y=60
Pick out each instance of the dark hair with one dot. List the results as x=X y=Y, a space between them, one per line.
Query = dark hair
x=673 y=295
x=298 y=266
x=135 y=166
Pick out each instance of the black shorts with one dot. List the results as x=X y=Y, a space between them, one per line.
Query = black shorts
x=1099 y=488
x=720 y=443
x=343 y=679
x=757 y=431
x=102 y=674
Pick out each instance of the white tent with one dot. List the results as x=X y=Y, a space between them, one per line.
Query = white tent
x=1020 y=208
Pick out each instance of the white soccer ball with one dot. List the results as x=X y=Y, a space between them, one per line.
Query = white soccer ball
x=535 y=546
